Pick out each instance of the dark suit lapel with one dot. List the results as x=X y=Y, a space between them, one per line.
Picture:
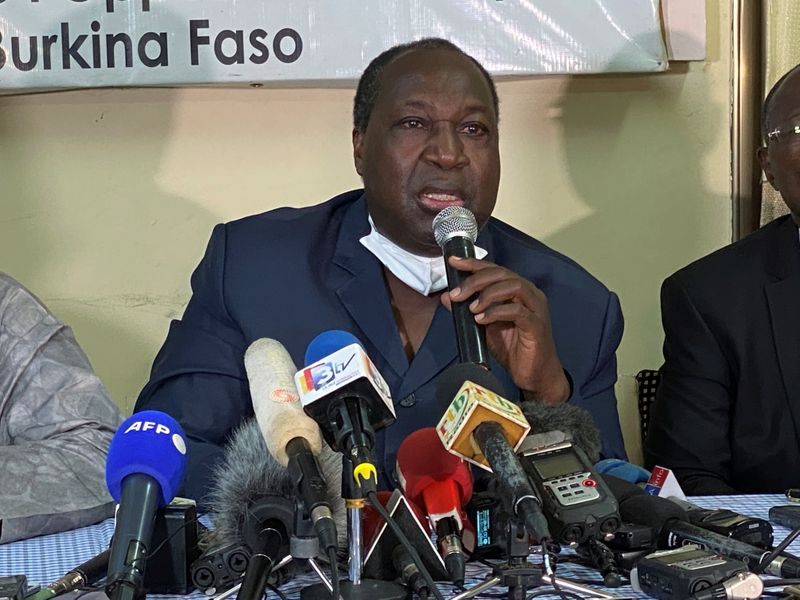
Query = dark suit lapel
x=438 y=350
x=361 y=289
x=783 y=298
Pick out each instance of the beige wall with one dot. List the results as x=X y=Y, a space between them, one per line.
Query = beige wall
x=108 y=196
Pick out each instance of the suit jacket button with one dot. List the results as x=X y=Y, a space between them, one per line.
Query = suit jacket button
x=408 y=401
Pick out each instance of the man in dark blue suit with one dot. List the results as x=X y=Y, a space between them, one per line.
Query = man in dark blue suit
x=425 y=137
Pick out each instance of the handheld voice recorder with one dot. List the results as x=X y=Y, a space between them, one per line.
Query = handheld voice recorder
x=682 y=572
x=576 y=501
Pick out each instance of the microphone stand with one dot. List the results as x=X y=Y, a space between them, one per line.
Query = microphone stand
x=518 y=574
x=354 y=502
x=357 y=588
x=304 y=545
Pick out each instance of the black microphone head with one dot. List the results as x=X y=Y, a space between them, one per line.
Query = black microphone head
x=651 y=511
x=572 y=420
x=452 y=378
x=248 y=473
x=621 y=489
x=271 y=510
x=454 y=221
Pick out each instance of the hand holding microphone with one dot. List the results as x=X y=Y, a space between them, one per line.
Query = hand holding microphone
x=512 y=310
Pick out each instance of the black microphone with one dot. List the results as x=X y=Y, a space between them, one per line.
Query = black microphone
x=249 y=472
x=145 y=466
x=343 y=392
x=292 y=437
x=253 y=501
x=85 y=574
x=750 y=530
x=481 y=426
x=622 y=489
x=266 y=528
x=456 y=230
x=670 y=522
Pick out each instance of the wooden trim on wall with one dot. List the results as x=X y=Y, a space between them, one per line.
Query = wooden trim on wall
x=747 y=95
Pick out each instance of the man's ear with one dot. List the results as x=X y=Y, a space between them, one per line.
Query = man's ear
x=358 y=151
x=766 y=165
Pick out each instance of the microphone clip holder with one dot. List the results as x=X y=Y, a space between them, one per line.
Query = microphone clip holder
x=304 y=543
x=600 y=556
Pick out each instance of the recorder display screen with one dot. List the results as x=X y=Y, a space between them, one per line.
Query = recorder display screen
x=557 y=465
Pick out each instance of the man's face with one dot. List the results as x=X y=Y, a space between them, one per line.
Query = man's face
x=781 y=157
x=431 y=142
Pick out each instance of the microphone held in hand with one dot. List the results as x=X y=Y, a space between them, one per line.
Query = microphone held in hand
x=145 y=465
x=456 y=230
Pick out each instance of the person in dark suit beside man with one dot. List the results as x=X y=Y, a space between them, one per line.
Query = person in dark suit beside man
x=425 y=136
x=727 y=414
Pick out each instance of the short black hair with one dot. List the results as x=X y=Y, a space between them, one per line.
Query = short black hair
x=767 y=106
x=369 y=85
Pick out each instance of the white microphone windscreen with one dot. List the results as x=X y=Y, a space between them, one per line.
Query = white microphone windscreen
x=276 y=404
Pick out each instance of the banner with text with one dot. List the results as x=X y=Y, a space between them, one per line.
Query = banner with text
x=46 y=44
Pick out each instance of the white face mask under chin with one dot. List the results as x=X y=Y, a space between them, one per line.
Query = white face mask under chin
x=424 y=274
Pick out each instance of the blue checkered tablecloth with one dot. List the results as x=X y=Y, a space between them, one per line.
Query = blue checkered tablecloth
x=44 y=559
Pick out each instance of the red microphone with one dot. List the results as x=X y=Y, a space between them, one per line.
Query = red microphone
x=441 y=484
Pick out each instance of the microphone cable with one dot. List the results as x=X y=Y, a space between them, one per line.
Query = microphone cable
x=372 y=496
x=548 y=566
x=174 y=533
x=332 y=558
